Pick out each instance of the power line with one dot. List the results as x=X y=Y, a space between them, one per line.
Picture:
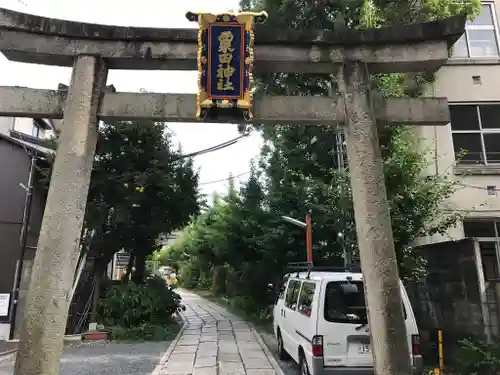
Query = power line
x=213 y=148
x=477 y=187
x=223 y=179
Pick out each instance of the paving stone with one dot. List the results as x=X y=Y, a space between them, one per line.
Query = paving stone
x=227 y=339
x=192 y=334
x=257 y=363
x=204 y=349
x=229 y=357
x=178 y=368
x=249 y=346
x=231 y=368
x=188 y=342
x=261 y=372
x=253 y=354
x=205 y=371
x=205 y=361
x=207 y=338
x=183 y=357
x=184 y=349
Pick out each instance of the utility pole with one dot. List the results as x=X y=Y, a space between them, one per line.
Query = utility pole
x=23 y=239
x=339 y=150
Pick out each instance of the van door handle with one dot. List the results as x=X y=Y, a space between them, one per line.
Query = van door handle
x=284 y=313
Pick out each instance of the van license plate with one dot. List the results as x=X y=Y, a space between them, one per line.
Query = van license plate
x=364 y=349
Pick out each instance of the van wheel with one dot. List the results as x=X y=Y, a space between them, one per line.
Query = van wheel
x=304 y=370
x=282 y=354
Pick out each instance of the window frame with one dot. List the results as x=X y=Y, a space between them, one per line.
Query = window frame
x=301 y=311
x=481 y=131
x=493 y=26
x=495 y=240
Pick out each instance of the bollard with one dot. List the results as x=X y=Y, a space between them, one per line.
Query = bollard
x=439 y=370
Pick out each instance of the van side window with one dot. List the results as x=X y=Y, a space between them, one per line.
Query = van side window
x=292 y=293
x=281 y=294
x=306 y=298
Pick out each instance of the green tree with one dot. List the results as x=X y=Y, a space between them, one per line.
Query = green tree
x=141 y=187
x=307 y=172
x=301 y=168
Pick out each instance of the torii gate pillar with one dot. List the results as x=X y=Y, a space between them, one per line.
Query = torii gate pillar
x=373 y=222
x=63 y=217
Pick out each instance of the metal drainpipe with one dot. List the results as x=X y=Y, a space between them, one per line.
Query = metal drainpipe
x=23 y=240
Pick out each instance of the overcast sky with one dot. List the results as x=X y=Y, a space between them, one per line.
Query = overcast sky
x=148 y=13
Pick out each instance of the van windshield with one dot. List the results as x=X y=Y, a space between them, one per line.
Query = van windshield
x=345 y=302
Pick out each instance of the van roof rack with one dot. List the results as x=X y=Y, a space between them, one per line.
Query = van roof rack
x=309 y=267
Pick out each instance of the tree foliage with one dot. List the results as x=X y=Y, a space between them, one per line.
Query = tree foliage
x=240 y=243
x=141 y=187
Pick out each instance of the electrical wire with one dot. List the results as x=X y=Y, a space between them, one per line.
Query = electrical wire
x=476 y=187
x=471 y=210
x=224 y=179
x=213 y=148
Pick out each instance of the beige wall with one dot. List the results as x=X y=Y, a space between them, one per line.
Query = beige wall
x=465 y=80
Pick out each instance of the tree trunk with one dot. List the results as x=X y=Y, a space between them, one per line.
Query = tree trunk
x=126 y=277
x=218 y=280
x=140 y=269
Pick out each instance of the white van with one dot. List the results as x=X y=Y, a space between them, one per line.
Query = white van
x=320 y=321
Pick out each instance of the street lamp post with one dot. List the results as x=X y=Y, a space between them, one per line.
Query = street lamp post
x=307 y=225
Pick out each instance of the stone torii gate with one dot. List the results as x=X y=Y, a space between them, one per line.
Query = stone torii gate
x=93 y=49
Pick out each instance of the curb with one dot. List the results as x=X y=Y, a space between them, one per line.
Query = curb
x=277 y=368
x=170 y=349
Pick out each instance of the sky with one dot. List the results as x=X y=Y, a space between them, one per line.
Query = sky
x=147 y=13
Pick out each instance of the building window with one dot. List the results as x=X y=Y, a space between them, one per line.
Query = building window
x=487 y=232
x=480 y=38
x=476 y=133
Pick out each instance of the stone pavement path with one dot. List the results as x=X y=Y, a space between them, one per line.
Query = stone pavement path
x=216 y=342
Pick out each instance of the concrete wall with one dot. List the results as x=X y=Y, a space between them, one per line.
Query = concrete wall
x=471 y=80
x=450 y=298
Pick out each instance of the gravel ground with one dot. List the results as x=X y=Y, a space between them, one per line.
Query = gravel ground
x=100 y=358
x=289 y=367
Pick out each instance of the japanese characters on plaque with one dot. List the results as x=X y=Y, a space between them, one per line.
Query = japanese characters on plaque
x=225 y=63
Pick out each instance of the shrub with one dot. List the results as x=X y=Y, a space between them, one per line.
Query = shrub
x=133 y=305
x=476 y=357
x=188 y=275
x=146 y=332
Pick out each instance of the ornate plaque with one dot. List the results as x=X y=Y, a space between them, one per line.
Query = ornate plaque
x=225 y=63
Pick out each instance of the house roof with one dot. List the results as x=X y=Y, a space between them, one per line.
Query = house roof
x=26 y=144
